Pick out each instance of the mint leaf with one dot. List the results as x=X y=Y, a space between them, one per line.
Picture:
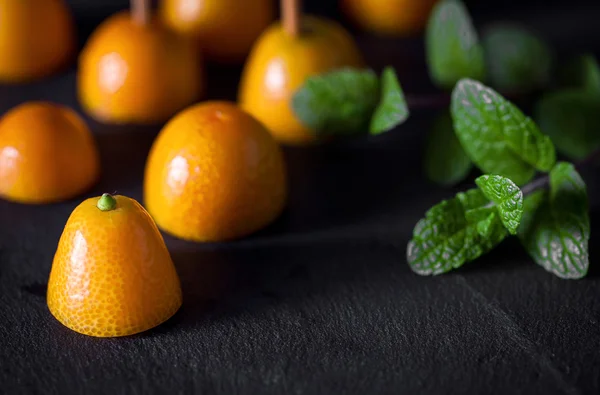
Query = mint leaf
x=338 y=102
x=517 y=60
x=496 y=135
x=507 y=197
x=485 y=218
x=392 y=109
x=445 y=238
x=582 y=72
x=570 y=118
x=452 y=45
x=555 y=228
x=446 y=162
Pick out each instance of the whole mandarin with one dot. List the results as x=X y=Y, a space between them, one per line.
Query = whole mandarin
x=133 y=73
x=112 y=274
x=224 y=29
x=47 y=154
x=214 y=173
x=280 y=63
x=37 y=38
x=389 y=17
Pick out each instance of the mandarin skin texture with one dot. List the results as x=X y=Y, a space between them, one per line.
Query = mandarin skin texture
x=112 y=274
x=280 y=63
x=139 y=74
x=214 y=173
x=224 y=29
x=47 y=154
x=37 y=39
x=389 y=17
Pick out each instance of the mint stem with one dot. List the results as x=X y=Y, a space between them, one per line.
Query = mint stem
x=542 y=182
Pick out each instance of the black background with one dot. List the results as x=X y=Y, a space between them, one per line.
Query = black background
x=322 y=302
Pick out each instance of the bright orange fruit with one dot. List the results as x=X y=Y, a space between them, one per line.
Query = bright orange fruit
x=389 y=17
x=37 y=38
x=47 y=154
x=224 y=29
x=214 y=173
x=132 y=73
x=279 y=64
x=112 y=274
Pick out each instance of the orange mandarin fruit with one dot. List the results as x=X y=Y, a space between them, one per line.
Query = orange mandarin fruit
x=47 y=154
x=37 y=38
x=112 y=274
x=389 y=17
x=224 y=29
x=214 y=173
x=134 y=73
x=280 y=63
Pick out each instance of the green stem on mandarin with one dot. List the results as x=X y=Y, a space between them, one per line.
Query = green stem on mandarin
x=107 y=202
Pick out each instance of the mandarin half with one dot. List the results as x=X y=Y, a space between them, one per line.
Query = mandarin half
x=37 y=38
x=112 y=274
x=280 y=63
x=214 y=173
x=47 y=154
x=142 y=74
x=224 y=29
x=389 y=17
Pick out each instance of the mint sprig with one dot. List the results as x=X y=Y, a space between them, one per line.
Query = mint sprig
x=517 y=59
x=445 y=160
x=340 y=102
x=452 y=45
x=556 y=227
x=350 y=101
x=583 y=73
x=570 y=117
x=496 y=135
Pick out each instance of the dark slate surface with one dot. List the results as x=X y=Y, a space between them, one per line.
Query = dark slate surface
x=322 y=302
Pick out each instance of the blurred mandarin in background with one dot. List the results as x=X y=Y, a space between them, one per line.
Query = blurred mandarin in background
x=389 y=17
x=281 y=61
x=47 y=154
x=137 y=73
x=37 y=39
x=224 y=29
x=112 y=274
x=214 y=173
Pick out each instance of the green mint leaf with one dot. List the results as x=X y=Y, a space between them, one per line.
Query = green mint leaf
x=517 y=60
x=446 y=162
x=392 y=109
x=582 y=72
x=339 y=102
x=570 y=118
x=496 y=135
x=485 y=218
x=507 y=197
x=445 y=238
x=452 y=45
x=555 y=228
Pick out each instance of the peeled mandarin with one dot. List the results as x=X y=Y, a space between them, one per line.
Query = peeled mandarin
x=47 y=154
x=280 y=63
x=112 y=274
x=132 y=73
x=389 y=17
x=37 y=38
x=224 y=29
x=214 y=173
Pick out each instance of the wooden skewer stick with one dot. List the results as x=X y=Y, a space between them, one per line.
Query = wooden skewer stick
x=140 y=11
x=291 y=15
